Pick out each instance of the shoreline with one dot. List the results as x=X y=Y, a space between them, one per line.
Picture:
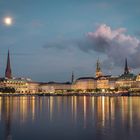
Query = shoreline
x=72 y=94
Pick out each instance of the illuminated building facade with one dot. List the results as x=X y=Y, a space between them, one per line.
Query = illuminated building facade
x=33 y=87
x=127 y=80
x=112 y=82
x=19 y=85
x=85 y=83
x=53 y=87
x=103 y=83
x=9 y=84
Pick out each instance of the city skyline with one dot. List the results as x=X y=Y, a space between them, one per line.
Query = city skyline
x=50 y=39
x=98 y=73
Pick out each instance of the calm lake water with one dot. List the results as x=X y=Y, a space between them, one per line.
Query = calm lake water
x=70 y=118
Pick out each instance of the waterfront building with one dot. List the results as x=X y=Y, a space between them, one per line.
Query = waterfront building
x=85 y=83
x=54 y=87
x=127 y=80
x=138 y=78
x=136 y=84
x=9 y=84
x=33 y=87
x=103 y=83
x=13 y=85
x=112 y=82
x=122 y=84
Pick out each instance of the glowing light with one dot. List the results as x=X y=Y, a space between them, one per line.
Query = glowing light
x=8 y=21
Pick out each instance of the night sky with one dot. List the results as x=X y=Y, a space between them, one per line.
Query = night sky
x=48 y=39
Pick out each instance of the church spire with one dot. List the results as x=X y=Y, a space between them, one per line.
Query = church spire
x=98 y=66
x=126 y=69
x=8 y=72
x=72 y=77
x=98 y=69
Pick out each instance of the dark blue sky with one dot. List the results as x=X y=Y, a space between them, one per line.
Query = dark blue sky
x=51 y=38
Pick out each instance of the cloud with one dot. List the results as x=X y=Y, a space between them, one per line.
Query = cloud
x=116 y=44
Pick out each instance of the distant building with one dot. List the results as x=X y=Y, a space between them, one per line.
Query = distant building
x=8 y=83
x=53 y=87
x=20 y=86
x=138 y=77
x=126 y=80
x=85 y=83
x=102 y=83
x=136 y=86
x=112 y=82
x=33 y=87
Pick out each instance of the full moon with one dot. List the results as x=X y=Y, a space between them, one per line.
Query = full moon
x=8 y=21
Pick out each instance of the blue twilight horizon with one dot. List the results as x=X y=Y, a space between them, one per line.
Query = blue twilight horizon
x=51 y=38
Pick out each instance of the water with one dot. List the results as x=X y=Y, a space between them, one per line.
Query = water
x=70 y=118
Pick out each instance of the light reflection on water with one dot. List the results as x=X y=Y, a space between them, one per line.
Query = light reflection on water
x=72 y=117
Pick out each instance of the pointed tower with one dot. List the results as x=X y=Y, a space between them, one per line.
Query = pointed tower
x=98 y=69
x=72 y=77
x=8 y=72
x=126 y=69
